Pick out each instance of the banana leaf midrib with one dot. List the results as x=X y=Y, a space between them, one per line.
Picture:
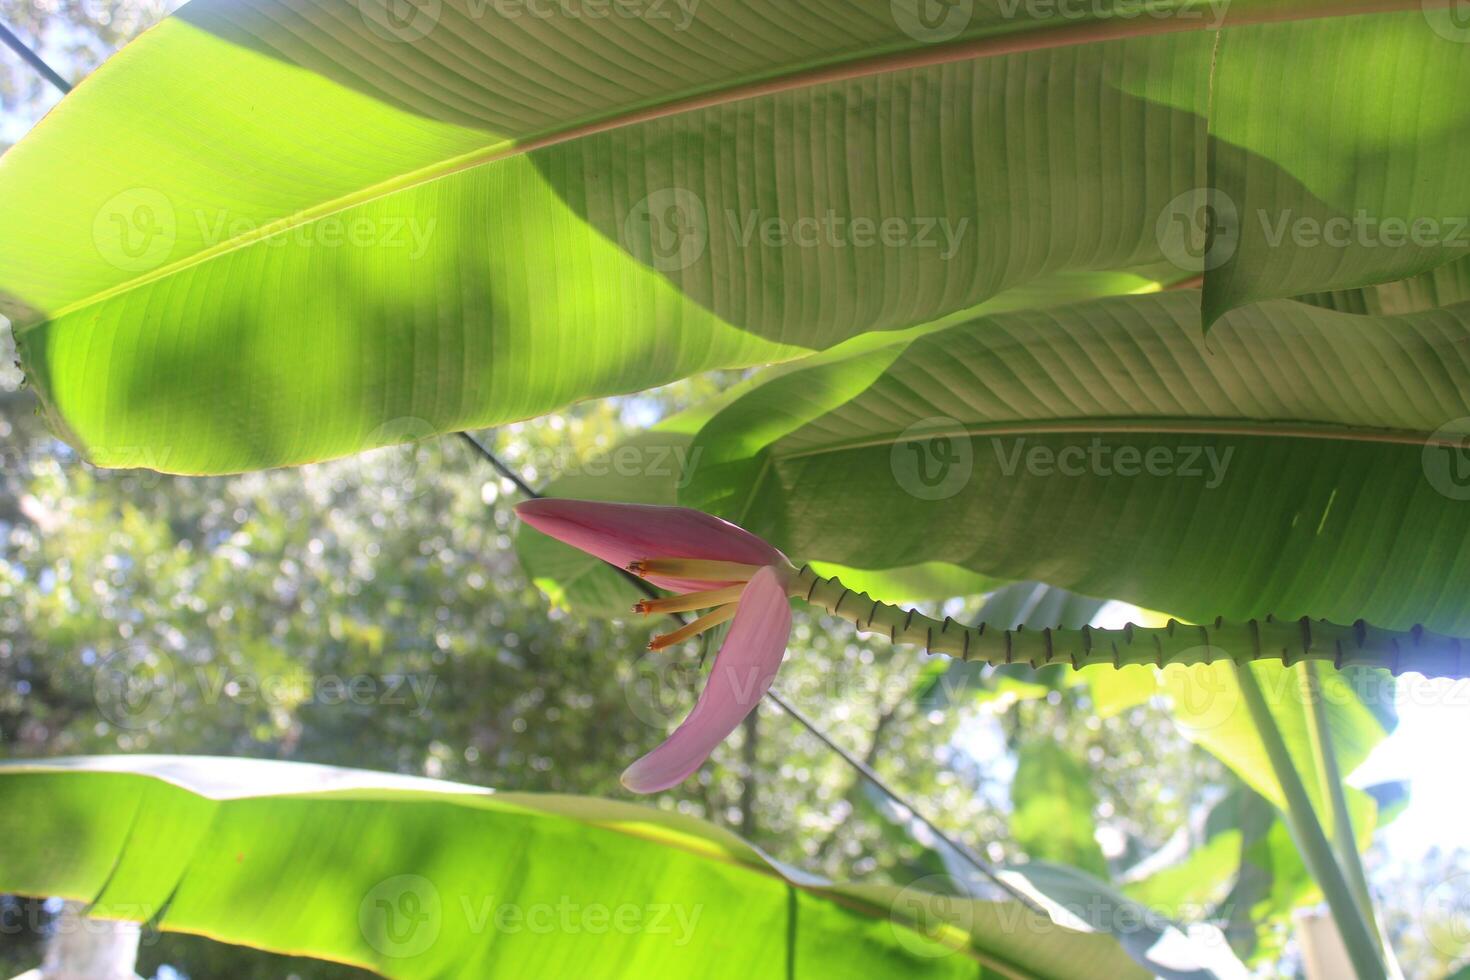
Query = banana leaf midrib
x=1152 y=426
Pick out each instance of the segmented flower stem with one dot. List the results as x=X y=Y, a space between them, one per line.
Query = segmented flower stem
x=1289 y=641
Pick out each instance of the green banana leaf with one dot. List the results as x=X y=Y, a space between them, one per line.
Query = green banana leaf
x=418 y=878
x=274 y=231
x=1314 y=189
x=1293 y=461
x=651 y=466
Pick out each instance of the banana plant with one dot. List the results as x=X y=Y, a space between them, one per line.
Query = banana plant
x=1133 y=306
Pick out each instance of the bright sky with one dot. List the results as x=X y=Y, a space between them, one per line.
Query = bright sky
x=1429 y=749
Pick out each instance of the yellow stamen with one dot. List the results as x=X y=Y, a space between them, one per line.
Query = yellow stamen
x=713 y=618
x=690 y=601
x=697 y=569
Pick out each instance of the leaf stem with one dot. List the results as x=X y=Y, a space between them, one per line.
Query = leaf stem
x=1357 y=935
x=1344 y=840
x=1290 y=641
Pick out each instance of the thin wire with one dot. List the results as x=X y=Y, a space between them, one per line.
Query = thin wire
x=980 y=864
x=501 y=468
x=34 y=60
x=983 y=866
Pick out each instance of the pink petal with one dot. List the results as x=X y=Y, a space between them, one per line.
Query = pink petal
x=743 y=671
x=622 y=533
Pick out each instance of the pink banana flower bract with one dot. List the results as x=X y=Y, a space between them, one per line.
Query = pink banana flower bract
x=709 y=564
